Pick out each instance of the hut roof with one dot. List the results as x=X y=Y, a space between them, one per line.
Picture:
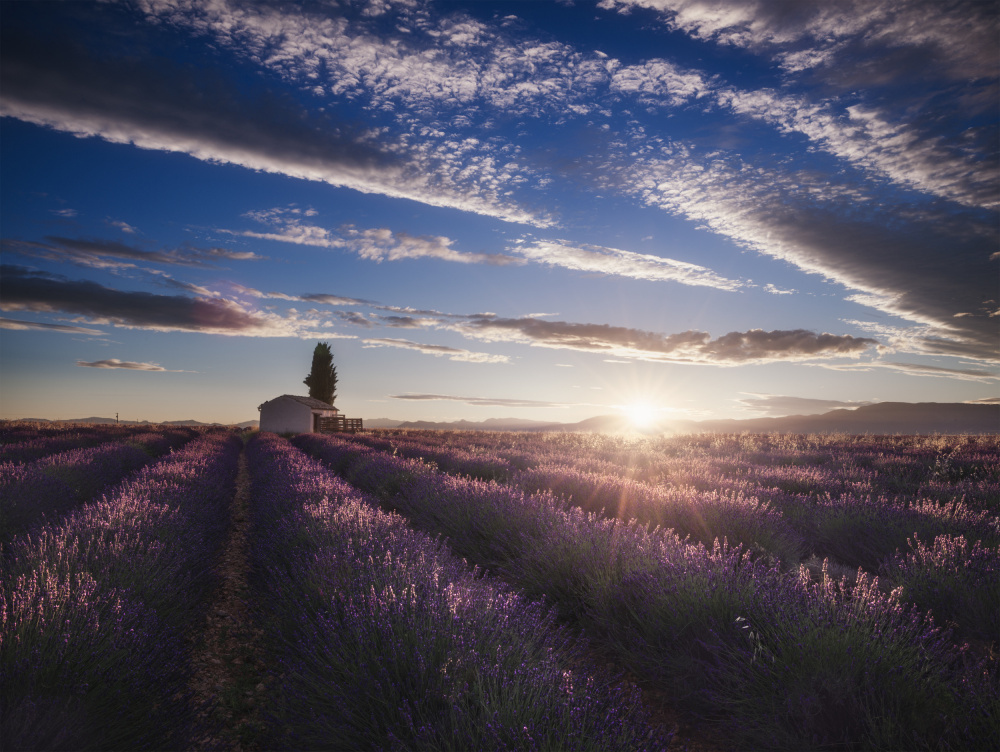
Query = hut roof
x=313 y=404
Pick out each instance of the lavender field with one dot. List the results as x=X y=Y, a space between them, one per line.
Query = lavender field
x=181 y=588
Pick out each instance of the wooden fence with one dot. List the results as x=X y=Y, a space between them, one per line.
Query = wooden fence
x=338 y=424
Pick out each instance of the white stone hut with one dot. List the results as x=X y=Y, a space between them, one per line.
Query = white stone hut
x=291 y=414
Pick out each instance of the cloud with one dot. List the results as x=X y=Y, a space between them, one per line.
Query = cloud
x=926 y=340
x=356 y=318
x=454 y=61
x=855 y=127
x=920 y=369
x=385 y=245
x=775 y=290
x=858 y=132
x=200 y=291
x=293 y=231
x=124 y=364
x=100 y=254
x=660 y=82
x=867 y=138
x=612 y=261
x=435 y=63
x=123 y=226
x=227 y=254
x=373 y=244
x=333 y=300
x=453 y=353
x=406 y=322
x=18 y=325
x=27 y=290
x=920 y=266
x=984 y=401
x=482 y=401
x=958 y=39
x=56 y=84
x=778 y=405
x=754 y=346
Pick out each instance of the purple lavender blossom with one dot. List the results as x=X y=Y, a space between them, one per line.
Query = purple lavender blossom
x=94 y=609
x=388 y=641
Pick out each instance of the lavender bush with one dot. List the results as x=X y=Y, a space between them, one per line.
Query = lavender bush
x=853 y=498
x=389 y=642
x=49 y=486
x=779 y=661
x=92 y=654
x=865 y=531
x=958 y=582
x=703 y=515
x=40 y=446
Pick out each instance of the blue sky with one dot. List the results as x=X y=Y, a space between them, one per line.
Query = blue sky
x=547 y=210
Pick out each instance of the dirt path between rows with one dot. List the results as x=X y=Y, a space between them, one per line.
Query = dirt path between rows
x=229 y=674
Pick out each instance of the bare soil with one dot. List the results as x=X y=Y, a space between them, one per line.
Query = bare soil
x=230 y=681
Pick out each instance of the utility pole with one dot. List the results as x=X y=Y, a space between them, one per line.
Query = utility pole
x=116 y=419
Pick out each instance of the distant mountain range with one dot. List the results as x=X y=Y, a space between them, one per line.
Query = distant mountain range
x=490 y=424
x=880 y=418
x=244 y=424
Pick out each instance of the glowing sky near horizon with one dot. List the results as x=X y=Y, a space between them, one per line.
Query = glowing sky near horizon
x=545 y=210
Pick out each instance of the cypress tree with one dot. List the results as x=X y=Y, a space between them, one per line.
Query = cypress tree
x=322 y=379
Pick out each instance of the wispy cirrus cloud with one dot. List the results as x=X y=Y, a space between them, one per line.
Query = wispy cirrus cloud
x=123 y=226
x=484 y=401
x=616 y=262
x=111 y=254
x=921 y=369
x=374 y=244
x=127 y=365
x=780 y=404
x=19 y=325
x=383 y=244
x=452 y=353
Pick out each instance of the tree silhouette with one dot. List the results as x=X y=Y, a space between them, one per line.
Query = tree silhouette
x=322 y=379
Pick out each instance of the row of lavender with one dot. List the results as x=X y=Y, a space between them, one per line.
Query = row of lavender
x=94 y=609
x=778 y=660
x=939 y=468
x=386 y=640
x=945 y=557
x=50 y=485
x=20 y=443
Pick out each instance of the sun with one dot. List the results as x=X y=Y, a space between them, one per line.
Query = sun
x=640 y=414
